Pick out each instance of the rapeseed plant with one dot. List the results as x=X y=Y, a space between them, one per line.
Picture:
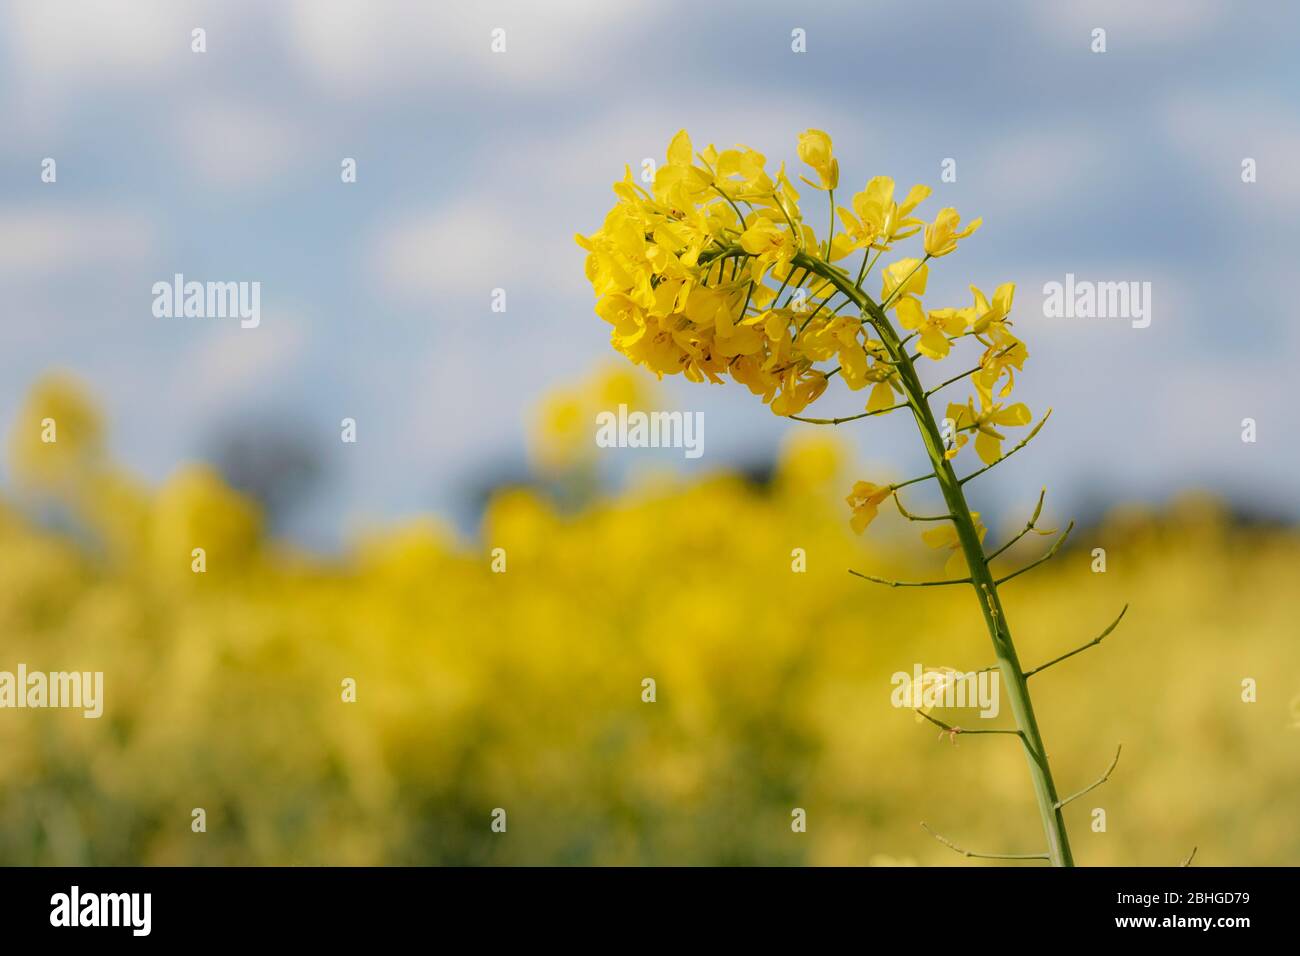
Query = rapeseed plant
x=714 y=272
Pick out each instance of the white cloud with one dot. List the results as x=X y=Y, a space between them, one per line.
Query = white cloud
x=1216 y=132
x=104 y=39
x=469 y=249
x=576 y=162
x=1039 y=167
x=231 y=145
x=1199 y=407
x=36 y=243
x=1127 y=22
x=357 y=49
x=68 y=52
x=233 y=363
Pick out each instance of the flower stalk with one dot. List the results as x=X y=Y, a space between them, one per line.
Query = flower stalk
x=981 y=578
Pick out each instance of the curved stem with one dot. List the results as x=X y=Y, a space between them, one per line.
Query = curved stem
x=981 y=579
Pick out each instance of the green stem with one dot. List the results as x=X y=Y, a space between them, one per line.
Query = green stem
x=981 y=579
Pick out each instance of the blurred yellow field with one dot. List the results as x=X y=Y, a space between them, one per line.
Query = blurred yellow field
x=522 y=690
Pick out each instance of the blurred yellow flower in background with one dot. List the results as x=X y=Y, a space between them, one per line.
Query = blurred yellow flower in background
x=59 y=435
x=194 y=508
x=563 y=436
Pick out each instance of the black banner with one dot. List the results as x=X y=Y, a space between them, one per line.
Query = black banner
x=333 y=905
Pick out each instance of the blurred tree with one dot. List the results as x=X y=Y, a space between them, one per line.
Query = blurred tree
x=272 y=463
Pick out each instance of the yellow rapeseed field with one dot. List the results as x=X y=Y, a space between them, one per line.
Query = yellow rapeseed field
x=523 y=690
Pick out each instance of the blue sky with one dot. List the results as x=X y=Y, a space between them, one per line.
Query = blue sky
x=475 y=169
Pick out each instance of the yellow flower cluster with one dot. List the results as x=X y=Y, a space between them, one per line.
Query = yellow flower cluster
x=708 y=274
x=714 y=272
